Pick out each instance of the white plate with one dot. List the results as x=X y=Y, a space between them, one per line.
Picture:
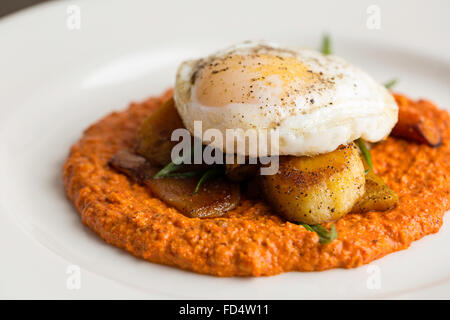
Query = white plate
x=55 y=81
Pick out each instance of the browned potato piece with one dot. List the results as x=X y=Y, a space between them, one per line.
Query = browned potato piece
x=316 y=189
x=215 y=197
x=378 y=195
x=153 y=137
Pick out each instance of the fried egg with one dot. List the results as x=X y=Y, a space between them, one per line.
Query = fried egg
x=313 y=102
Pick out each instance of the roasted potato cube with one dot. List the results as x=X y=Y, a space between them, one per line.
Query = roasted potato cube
x=153 y=137
x=378 y=196
x=316 y=189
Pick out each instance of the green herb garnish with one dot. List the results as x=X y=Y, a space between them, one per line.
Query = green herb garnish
x=326 y=44
x=209 y=174
x=325 y=236
x=366 y=152
x=390 y=84
x=307 y=227
x=169 y=168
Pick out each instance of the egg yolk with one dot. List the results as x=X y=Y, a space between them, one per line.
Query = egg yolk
x=261 y=79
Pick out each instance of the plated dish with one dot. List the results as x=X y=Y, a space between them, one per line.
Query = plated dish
x=331 y=203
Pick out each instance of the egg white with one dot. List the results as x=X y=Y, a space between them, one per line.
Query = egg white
x=337 y=104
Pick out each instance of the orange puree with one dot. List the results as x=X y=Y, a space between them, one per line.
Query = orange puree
x=252 y=240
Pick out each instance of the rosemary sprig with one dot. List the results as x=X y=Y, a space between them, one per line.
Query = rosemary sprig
x=326 y=44
x=209 y=174
x=366 y=152
x=391 y=83
x=325 y=236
